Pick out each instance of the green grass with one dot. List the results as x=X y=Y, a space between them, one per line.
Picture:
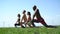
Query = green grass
x=41 y=30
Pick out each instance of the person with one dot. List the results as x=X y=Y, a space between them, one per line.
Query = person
x=18 y=21
x=38 y=19
x=24 y=17
x=29 y=19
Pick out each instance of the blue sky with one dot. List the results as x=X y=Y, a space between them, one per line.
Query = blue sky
x=49 y=10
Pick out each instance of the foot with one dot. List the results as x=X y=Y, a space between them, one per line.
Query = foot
x=15 y=25
x=22 y=26
x=50 y=26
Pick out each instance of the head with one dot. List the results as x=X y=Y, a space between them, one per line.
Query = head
x=34 y=7
x=29 y=13
x=24 y=11
x=18 y=15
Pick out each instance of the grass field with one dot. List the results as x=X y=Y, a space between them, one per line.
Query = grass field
x=41 y=30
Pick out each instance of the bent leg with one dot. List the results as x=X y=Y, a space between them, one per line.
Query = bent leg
x=16 y=24
x=32 y=22
x=22 y=25
x=43 y=22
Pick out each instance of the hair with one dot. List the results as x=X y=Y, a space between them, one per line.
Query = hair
x=34 y=7
x=18 y=15
x=29 y=13
x=24 y=11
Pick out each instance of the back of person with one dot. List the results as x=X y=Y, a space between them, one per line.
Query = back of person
x=24 y=17
x=18 y=21
x=38 y=14
x=29 y=17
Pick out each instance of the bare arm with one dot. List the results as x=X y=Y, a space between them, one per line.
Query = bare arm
x=22 y=18
x=34 y=15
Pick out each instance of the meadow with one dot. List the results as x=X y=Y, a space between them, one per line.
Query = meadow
x=39 y=30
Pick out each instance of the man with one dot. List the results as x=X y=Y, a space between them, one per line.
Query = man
x=24 y=18
x=38 y=19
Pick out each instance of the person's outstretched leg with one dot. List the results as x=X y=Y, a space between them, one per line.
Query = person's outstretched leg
x=44 y=23
x=22 y=25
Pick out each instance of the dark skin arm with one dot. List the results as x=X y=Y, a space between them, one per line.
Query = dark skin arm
x=34 y=15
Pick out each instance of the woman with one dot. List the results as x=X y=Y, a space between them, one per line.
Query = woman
x=18 y=21
x=29 y=19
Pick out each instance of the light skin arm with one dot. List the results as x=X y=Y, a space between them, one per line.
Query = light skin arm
x=22 y=18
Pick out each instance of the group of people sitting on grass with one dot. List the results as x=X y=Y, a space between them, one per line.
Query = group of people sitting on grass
x=30 y=22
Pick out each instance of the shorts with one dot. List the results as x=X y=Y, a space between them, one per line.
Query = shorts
x=29 y=23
